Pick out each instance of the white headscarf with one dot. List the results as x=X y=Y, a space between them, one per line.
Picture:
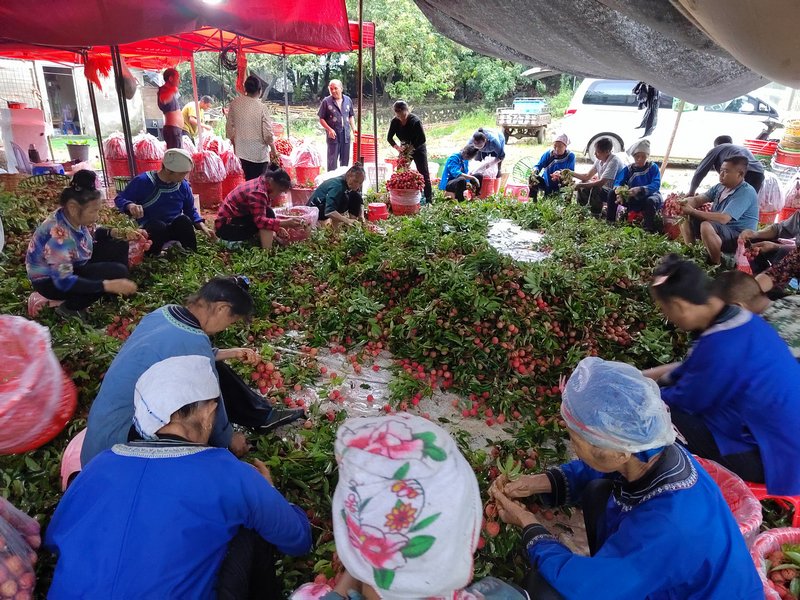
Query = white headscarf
x=169 y=385
x=407 y=510
x=642 y=145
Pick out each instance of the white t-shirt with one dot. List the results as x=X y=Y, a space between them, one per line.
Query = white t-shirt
x=609 y=168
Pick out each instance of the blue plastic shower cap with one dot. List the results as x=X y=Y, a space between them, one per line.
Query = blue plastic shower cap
x=612 y=405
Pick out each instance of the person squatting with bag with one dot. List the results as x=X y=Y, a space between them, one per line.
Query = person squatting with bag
x=657 y=524
x=170 y=515
x=643 y=180
x=246 y=213
x=456 y=176
x=70 y=259
x=339 y=200
x=163 y=205
x=175 y=330
x=407 y=516
x=551 y=162
x=775 y=264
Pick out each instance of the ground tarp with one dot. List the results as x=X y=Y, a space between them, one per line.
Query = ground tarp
x=647 y=40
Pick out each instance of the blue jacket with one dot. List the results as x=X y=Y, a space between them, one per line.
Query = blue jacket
x=154 y=519
x=551 y=163
x=742 y=379
x=161 y=201
x=168 y=331
x=668 y=536
x=495 y=145
x=648 y=176
x=453 y=167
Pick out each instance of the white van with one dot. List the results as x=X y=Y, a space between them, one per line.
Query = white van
x=608 y=108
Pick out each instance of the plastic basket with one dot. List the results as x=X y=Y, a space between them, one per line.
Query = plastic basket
x=404 y=209
x=301 y=196
x=142 y=166
x=672 y=227
x=788 y=159
x=310 y=214
x=517 y=191
x=118 y=167
x=765 y=544
x=230 y=183
x=210 y=193
x=404 y=197
x=763 y=147
x=767 y=217
x=787 y=212
x=278 y=129
x=120 y=183
x=38 y=398
x=367 y=147
x=377 y=211
x=10 y=181
x=745 y=507
x=303 y=174
x=489 y=186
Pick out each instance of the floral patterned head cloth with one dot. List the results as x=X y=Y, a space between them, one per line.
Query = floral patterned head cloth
x=407 y=510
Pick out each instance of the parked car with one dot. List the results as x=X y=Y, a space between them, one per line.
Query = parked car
x=528 y=117
x=608 y=107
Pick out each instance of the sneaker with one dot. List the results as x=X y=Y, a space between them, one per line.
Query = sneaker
x=281 y=416
x=68 y=313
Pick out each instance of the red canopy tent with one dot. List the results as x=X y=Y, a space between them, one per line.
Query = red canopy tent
x=112 y=27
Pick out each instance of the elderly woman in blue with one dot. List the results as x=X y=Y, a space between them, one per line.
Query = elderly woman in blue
x=643 y=180
x=657 y=524
x=552 y=161
x=70 y=259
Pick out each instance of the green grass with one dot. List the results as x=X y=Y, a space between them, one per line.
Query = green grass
x=465 y=126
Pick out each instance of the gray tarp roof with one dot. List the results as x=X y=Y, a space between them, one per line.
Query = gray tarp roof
x=647 y=40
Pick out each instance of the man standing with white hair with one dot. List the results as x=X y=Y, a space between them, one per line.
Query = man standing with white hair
x=336 y=117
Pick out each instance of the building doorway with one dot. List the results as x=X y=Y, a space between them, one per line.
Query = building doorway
x=63 y=100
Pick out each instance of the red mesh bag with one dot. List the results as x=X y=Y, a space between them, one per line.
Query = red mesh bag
x=208 y=167
x=21 y=537
x=36 y=398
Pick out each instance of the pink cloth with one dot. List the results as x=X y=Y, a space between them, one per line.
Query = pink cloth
x=71 y=461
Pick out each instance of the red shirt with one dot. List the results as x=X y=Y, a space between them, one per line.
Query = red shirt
x=249 y=199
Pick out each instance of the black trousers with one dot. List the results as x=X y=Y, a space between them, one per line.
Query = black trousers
x=172 y=136
x=109 y=261
x=252 y=170
x=754 y=179
x=248 y=570
x=764 y=260
x=642 y=202
x=459 y=185
x=595 y=197
x=700 y=441
x=420 y=158
x=240 y=229
x=181 y=230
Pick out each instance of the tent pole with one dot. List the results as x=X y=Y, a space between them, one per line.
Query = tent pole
x=375 y=118
x=116 y=62
x=664 y=164
x=196 y=104
x=285 y=92
x=97 y=132
x=360 y=75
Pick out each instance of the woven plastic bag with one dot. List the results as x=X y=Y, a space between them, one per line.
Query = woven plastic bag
x=765 y=544
x=208 y=167
x=305 y=155
x=744 y=505
x=36 y=398
x=188 y=145
x=147 y=147
x=21 y=537
x=792 y=196
x=233 y=166
x=213 y=143
x=114 y=147
x=770 y=196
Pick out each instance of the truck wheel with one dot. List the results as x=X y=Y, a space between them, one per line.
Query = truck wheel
x=506 y=134
x=540 y=135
